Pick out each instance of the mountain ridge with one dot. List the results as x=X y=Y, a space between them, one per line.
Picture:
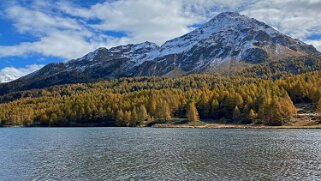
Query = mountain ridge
x=228 y=38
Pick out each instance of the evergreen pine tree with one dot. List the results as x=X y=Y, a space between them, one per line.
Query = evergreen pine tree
x=236 y=114
x=319 y=106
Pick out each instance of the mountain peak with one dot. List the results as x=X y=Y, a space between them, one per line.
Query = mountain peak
x=223 y=22
x=228 y=14
x=233 y=20
x=226 y=39
x=230 y=35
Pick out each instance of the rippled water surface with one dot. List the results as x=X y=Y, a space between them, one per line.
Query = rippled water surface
x=159 y=154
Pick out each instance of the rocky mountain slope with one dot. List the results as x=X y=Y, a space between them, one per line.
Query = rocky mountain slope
x=227 y=39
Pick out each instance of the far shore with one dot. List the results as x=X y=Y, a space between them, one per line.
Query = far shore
x=300 y=122
x=200 y=124
x=235 y=126
x=306 y=120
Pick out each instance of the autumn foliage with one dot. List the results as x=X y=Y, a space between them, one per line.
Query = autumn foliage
x=142 y=101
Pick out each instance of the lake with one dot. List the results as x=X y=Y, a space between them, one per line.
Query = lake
x=159 y=154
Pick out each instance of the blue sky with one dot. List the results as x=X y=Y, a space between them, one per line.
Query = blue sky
x=34 y=33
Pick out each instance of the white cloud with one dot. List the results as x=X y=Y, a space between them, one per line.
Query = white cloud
x=57 y=35
x=150 y=20
x=66 y=44
x=66 y=30
x=75 y=10
x=298 y=18
x=37 y=22
x=11 y=73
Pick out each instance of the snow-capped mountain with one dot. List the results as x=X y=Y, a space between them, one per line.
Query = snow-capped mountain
x=9 y=74
x=7 y=78
x=227 y=38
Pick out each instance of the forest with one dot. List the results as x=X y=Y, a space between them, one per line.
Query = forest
x=144 y=101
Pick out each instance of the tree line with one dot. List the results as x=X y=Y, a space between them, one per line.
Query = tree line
x=144 y=101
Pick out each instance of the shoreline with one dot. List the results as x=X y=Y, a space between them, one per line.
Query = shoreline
x=301 y=122
x=197 y=125
x=297 y=123
x=235 y=126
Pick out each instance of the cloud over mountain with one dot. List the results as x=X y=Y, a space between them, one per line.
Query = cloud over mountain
x=66 y=29
x=90 y=27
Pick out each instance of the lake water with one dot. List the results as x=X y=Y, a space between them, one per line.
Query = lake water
x=159 y=154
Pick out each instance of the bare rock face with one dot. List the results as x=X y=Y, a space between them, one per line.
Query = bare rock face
x=254 y=55
x=228 y=36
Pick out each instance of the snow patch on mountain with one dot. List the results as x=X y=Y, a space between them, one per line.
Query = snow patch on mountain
x=228 y=36
x=9 y=74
